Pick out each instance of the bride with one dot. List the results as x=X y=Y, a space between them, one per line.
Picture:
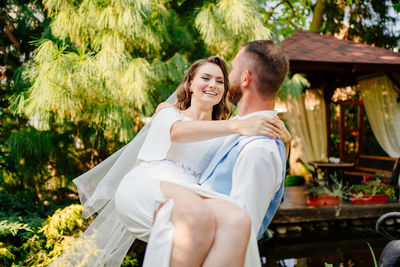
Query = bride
x=162 y=165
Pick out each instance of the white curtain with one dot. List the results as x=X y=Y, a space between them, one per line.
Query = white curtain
x=307 y=122
x=383 y=111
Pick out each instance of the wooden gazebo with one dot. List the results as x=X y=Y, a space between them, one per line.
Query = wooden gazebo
x=329 y=63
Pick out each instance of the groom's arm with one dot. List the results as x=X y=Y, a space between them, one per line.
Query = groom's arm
x=256 y=177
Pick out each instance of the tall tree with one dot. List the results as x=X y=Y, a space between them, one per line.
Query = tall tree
x=318 y=13
x=370 y=21
x=21 y=21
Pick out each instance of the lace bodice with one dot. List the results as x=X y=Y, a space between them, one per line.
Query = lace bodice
x=195 y=155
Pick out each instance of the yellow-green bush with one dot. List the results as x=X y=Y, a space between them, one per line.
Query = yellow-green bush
x=41 y=245
x=6 y=255
x=55 y=235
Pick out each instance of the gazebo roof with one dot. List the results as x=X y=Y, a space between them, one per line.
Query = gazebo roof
x=309 y=46
x=327 y=61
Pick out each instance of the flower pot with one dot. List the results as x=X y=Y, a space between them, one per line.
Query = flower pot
x=368 y=199
x=325 y=200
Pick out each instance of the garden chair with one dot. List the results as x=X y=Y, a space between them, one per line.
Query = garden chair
x=390 y=256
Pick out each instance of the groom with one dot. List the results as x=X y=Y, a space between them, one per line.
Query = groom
x=251 y=169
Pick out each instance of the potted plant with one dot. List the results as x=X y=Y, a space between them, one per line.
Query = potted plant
x=371 y=191
x=320 y=193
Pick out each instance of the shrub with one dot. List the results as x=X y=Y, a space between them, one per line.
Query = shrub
x=55 y=235
x=29 y=239
x=294 y=180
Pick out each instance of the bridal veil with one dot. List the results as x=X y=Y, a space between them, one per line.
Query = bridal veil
x=107 y=240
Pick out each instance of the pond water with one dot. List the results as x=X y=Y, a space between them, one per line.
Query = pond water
x=345 y=247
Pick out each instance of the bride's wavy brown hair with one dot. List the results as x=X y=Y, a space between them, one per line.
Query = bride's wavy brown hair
x=223 y=109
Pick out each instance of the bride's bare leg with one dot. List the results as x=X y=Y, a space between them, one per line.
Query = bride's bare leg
x=194 y=226
x=231 y=237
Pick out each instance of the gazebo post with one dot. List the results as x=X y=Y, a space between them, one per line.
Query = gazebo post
x=361 y=114
x=341 y=134
x=328 y=93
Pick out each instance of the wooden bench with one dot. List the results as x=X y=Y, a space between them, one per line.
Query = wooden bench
x=386 y=168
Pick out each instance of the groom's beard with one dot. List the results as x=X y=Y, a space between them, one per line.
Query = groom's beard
x=234 y=94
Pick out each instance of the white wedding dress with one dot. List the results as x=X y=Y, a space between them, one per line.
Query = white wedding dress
x=129 y=214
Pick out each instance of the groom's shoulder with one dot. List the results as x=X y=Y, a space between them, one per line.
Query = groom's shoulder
x=263 y=145
x=261 y=153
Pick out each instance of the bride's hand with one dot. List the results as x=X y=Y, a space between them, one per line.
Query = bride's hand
x=285 y=135
x=262 y=125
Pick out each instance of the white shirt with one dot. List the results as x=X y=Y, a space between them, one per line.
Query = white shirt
x=257 y=175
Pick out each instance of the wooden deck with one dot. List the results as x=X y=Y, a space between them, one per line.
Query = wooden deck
x=294 y=209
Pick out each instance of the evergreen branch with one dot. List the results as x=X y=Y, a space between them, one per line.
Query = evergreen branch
x=9 y=227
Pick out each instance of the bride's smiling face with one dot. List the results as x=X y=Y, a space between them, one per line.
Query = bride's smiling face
x=207 y=86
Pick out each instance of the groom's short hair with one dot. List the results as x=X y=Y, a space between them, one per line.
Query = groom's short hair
x=269 y=64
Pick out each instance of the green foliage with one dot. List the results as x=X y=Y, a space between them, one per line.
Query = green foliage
x=367 y=21
x=54 y=236
x=319 y=188
x=284 y=18
x=129 y=262
x=7 y=227
x=373 y=255
x=101 y=67
x=226 y=24
x=372 y=187
x=293 y=86
x=64 y=222
x=370 y=21
x=17 y=223
x=292 y=180
x=9 y=250
x=28 y=238
x=396 y=7
x=20 y=21
x=333 y=188
x=6 y=254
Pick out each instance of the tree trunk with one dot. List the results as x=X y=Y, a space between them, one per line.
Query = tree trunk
x=318 y=13
x=9 y=28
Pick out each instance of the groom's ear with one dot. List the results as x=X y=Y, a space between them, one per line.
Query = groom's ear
x=246 y=78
